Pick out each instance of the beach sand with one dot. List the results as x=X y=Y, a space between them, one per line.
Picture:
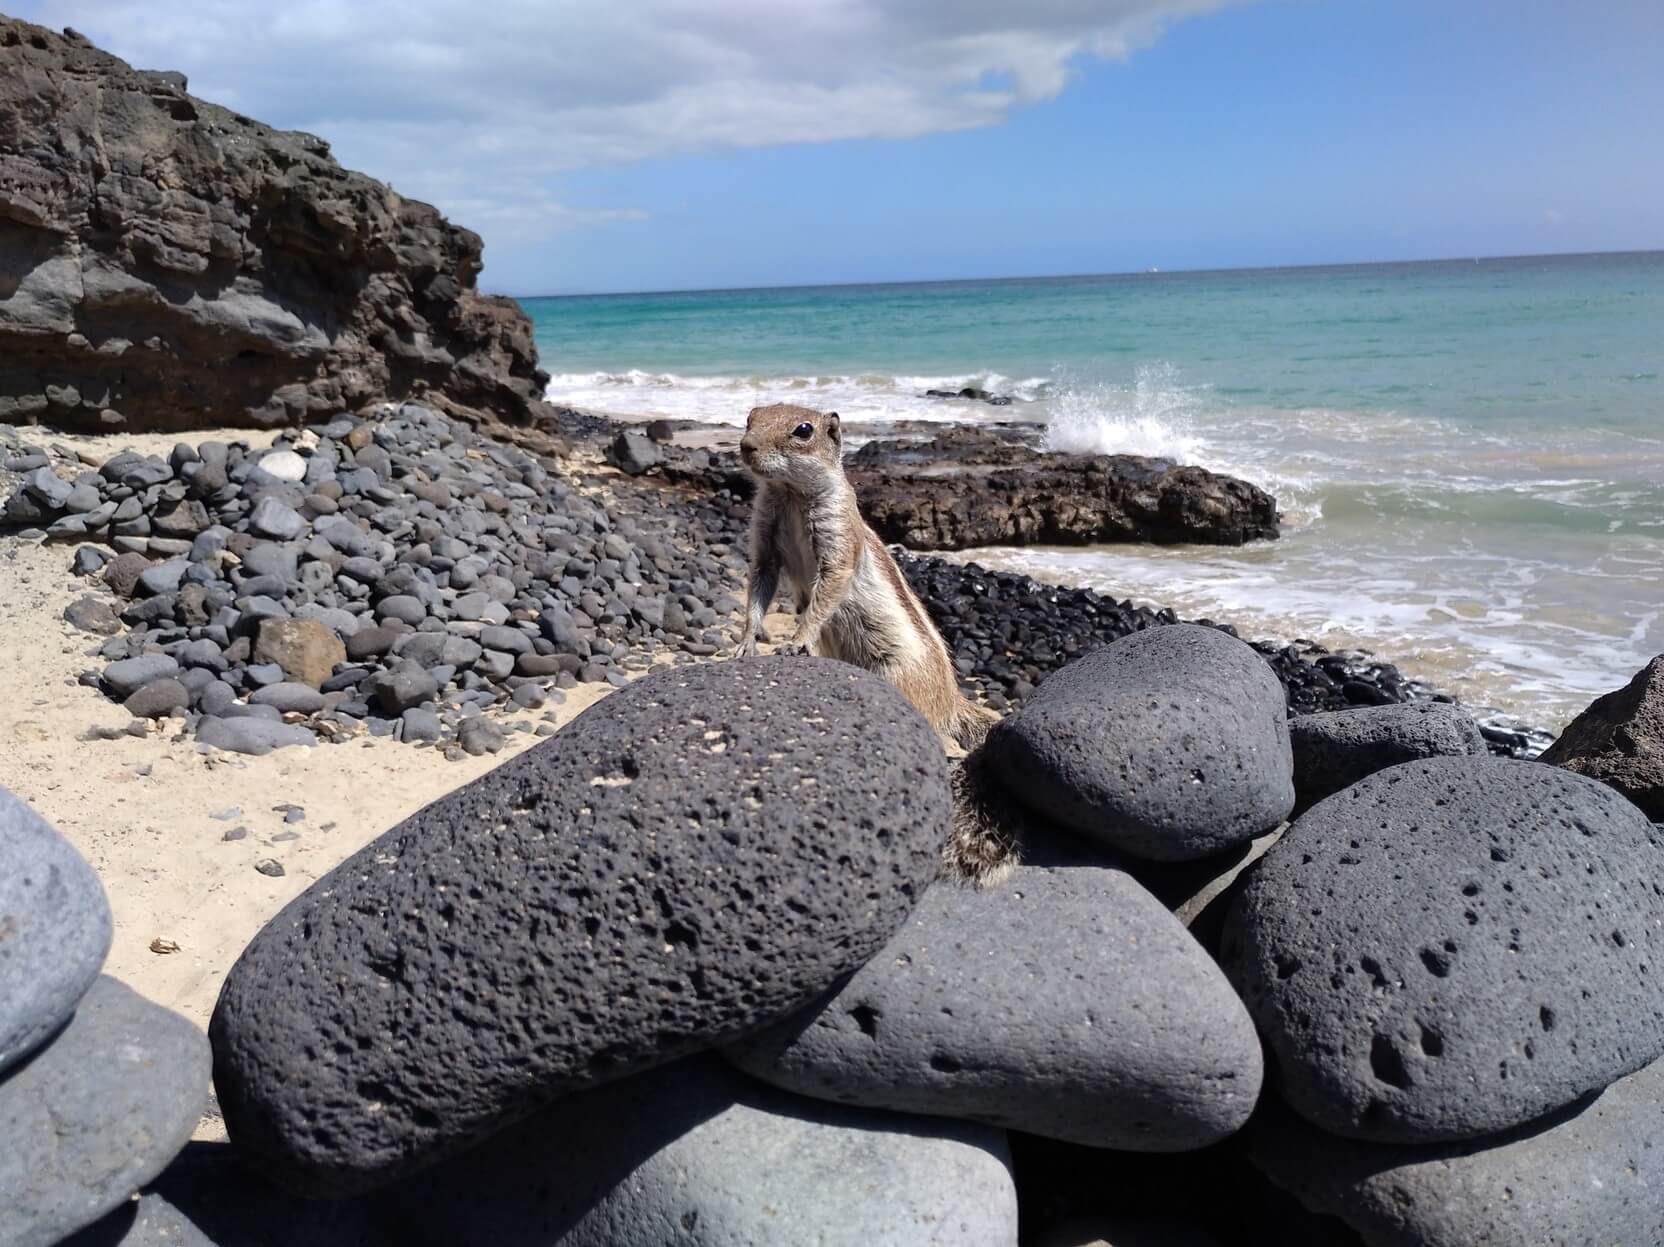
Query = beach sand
x=142 y=810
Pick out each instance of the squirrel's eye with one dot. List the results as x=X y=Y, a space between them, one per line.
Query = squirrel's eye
x=804 y=431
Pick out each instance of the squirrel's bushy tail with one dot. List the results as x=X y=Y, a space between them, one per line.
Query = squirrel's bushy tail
x=982 y=847
x=972 y=724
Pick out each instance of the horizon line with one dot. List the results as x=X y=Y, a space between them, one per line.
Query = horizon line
x=1018 y=277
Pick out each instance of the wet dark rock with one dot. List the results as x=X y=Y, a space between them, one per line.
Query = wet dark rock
x=978 y=487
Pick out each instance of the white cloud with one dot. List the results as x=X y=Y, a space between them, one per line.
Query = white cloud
x=482 y=105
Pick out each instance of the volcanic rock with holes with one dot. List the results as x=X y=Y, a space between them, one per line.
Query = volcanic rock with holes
x=694 y=1152
x=1064 y=1002
x=695 y=857
x=1590 y=1173
x=1452 y=947
x=1336 y=749
x=1171 y=744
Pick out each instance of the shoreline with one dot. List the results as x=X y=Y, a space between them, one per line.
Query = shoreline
x=720 y=439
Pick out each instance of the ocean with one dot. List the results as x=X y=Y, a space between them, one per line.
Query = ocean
x=1469 y=454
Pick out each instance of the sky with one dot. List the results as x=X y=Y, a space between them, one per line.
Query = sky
x=686 y=144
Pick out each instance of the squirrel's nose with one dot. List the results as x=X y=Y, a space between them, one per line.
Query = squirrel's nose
x=748 y=448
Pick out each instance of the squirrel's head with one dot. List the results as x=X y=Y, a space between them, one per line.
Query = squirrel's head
x=794 y=445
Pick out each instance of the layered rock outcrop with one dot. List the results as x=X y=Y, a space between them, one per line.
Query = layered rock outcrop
x=167 y=263
x=979 y=487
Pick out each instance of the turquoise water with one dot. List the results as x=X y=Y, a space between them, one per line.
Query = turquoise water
x=1469 y=455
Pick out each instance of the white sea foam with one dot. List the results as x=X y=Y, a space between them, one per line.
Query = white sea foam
x=725 y=398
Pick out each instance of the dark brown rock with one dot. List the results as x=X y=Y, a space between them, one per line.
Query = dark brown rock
x=122 y=573
x=306 y=649
x=1619 y=740
x=976 y=487
x=166 y=263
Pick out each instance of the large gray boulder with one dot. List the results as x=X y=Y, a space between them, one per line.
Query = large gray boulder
x=1452 y=947
x=1170 y=744
x=693 y=858
x=1066 y=1003
x=54 y=929
x=696 y=1153
x=1589 y=1174
x=96 y=1114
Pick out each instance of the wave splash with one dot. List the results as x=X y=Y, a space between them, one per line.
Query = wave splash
x=725 y=398
x=1153 y=416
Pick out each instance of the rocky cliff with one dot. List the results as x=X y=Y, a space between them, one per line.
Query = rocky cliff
x=167 y=263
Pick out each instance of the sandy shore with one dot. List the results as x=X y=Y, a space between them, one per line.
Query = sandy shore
x=152 y=814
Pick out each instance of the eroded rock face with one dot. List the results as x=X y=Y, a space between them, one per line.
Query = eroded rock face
x=166 y=263
x=978 y=487
x=1619 y=740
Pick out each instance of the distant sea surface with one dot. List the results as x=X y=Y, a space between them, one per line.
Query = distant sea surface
x=1469 y=454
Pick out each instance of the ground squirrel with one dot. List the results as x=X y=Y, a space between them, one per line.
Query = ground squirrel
x=854 y=604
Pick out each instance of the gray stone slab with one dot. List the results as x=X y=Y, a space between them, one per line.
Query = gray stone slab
x=96 y=1114
x=1065 y=1002
x=696 y=1153
x=54 y=929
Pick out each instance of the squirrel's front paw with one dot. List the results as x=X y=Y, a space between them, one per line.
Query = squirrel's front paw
x=795 y=649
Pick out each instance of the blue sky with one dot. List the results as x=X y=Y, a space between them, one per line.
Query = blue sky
x=679 y=145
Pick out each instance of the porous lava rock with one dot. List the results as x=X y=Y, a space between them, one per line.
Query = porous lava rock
x=700 y=854
x=1452 y=947
x=1170 y=744
x=1335 y=749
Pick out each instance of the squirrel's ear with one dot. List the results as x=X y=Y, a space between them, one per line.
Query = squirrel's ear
x=832 y=428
